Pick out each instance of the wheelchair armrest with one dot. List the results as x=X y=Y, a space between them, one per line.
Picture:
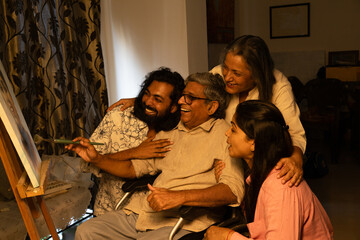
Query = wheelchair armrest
x=135 y=185
x=231 y=221
x=235 y=216
x=138 y=184
x=235 y=222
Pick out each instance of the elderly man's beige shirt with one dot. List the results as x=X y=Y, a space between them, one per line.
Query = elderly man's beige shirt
x=189 y=165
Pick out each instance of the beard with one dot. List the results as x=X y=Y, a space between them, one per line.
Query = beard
x=159 y=122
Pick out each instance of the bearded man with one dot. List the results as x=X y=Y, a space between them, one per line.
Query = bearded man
x=129 y=134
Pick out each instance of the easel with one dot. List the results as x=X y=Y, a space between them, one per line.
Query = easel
x=24 y=193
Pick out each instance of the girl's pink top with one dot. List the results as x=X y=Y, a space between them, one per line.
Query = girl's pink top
x=287 y=213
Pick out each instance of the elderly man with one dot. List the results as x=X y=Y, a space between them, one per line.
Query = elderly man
x=130 y=133
x=187 y=176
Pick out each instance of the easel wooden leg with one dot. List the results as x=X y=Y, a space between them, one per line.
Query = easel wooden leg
x=47 y=217
x=33 y=207
x=14 y=171
x=27 y=217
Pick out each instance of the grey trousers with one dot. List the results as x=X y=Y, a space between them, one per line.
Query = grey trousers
x=118 y=225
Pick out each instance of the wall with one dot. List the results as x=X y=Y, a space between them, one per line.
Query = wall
x=197 y=36
x=333 y=27
x=140 y=36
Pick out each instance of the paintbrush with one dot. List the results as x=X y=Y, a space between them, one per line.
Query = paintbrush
x=38 y=139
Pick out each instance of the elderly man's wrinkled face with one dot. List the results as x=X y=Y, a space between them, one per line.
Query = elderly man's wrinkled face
x=196 y=110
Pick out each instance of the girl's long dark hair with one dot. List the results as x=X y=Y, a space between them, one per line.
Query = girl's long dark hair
x=263 y=122
x=257 y=55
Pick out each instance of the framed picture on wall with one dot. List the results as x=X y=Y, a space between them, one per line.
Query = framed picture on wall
x=16 y=127
x=288 y=21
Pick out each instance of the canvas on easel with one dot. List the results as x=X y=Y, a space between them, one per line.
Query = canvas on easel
x=18 y=152
x=18 y=130
x=25 y=197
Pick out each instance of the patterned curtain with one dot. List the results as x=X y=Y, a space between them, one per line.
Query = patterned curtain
x=52 y=54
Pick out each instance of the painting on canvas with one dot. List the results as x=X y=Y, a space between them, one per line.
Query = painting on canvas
x=18 y=130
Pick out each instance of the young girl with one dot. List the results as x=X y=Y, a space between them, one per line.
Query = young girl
x=259 y=135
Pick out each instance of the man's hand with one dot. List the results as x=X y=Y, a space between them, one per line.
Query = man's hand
x=162 y=199
x=218 y=233
x=152 y=149
x=126 y=102
x=291 y=168
x=85 y=150
x=218 y=166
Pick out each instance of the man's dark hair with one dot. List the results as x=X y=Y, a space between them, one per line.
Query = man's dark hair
x=163 y=74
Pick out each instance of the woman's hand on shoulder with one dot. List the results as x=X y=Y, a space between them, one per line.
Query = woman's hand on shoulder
x=218 y=166
x=291 y=170
x=126 y=102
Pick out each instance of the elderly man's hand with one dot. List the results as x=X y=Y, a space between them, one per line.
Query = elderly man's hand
x=162 y=199
x=218 y=233
x=85 y=150
x=291 y=168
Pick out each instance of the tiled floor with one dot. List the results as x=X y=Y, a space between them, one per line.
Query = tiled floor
x=69 y=233
x=339 y=191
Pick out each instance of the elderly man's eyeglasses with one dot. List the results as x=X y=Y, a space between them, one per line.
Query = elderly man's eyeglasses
x=189 y=98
